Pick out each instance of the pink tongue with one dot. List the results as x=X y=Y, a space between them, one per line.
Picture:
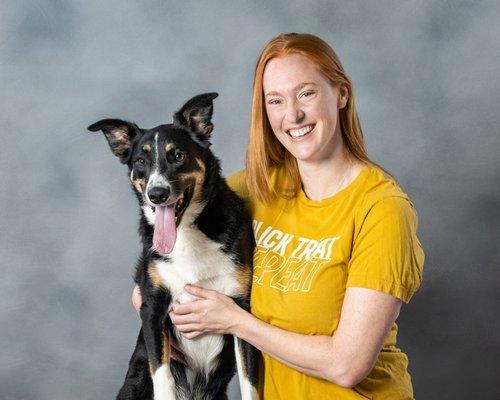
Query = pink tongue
x=165 y=230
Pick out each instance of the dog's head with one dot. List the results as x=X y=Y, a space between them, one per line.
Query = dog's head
x=167 y=164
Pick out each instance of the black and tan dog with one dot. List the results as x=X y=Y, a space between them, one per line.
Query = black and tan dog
x=196 y=230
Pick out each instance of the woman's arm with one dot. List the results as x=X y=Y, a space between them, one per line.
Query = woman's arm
x=344 y=358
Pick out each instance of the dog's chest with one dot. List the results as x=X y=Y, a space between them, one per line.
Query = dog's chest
x=198 y=260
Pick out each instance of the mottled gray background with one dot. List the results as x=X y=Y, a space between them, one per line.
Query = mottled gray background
x=426 y=76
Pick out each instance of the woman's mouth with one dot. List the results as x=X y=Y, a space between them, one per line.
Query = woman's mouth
x=299 y=133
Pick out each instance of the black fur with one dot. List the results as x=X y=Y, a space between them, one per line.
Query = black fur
x=224 y=219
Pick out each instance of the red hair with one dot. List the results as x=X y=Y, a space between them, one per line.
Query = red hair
x=264 y=150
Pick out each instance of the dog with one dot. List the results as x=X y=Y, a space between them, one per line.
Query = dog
x=194 y=229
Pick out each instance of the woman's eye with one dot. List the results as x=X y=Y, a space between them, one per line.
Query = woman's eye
x=274 y=101
x=307 y=94
x=180 y=157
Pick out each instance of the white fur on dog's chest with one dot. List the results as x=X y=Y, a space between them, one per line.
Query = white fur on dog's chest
x=198 y=260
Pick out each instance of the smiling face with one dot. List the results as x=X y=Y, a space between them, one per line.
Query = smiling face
x=303 y=108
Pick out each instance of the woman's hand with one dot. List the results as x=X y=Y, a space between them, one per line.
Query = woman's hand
x=136 y=298
x=213 y=312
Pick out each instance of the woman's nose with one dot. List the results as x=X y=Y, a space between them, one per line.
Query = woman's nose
x=294 y=112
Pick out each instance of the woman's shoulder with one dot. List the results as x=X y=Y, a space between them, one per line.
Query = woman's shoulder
x=380 y=185
x=382 y=196
x=376 y=187
x=237 y=182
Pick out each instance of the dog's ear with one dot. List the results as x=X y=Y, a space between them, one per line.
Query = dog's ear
x=196 y=115
x=119 y=134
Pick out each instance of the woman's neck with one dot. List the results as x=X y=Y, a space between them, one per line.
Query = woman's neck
x=322 y=179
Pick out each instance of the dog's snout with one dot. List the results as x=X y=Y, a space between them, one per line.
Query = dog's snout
x=158 y=195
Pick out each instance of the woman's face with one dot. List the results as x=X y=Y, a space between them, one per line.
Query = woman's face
x=302 y=108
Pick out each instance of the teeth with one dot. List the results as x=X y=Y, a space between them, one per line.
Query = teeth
x=178 y=206
x=300 y=132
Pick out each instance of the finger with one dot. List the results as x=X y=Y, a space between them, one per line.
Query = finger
x=191 y=335
x=200 y=291
x=185 y=328
x=181 y=319
x=186 y=308
x=136 y=298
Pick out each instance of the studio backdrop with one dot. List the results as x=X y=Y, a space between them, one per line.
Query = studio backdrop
x=426 y=81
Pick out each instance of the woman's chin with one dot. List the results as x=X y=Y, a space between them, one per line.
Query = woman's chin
x=303 y=155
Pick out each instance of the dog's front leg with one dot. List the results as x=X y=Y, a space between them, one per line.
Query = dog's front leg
x=153 y=315
x=247 y=364
x=137 y=384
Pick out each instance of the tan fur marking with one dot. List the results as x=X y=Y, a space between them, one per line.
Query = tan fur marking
x=139 y=184
x=244 y=278
x=146 y=148
x=165 y=357
x=169 y=147
x=151 y=369
x=201 y=164
x=154 y=275
x=198 y=177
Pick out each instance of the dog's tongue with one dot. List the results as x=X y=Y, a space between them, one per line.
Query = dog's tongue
x=165 y=230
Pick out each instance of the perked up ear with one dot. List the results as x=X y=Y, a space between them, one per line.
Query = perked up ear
x=119 y=134
x=196 y=115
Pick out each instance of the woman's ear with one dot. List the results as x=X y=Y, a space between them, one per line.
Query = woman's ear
x=343 y=97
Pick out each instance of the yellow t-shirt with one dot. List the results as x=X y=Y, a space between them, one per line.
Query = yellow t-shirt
x=307 y=252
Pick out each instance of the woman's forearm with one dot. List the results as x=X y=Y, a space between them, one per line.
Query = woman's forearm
x=345 y=358
x=312 y=355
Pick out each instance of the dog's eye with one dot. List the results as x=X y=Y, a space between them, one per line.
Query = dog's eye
x=180 y=157
x=140 y=161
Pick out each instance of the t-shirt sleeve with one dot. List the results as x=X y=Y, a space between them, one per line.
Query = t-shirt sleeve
x=387 y=255
x=237 y=183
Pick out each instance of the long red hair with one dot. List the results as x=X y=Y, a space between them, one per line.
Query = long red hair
x=264 y=150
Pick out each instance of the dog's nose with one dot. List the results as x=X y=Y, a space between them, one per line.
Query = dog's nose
x=158 y=195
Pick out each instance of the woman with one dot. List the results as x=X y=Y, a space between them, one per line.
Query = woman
x=336 y=246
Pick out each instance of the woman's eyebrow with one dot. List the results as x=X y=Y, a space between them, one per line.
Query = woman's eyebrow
x=297 y=87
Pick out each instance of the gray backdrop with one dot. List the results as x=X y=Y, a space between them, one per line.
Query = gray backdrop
x=425 y=75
